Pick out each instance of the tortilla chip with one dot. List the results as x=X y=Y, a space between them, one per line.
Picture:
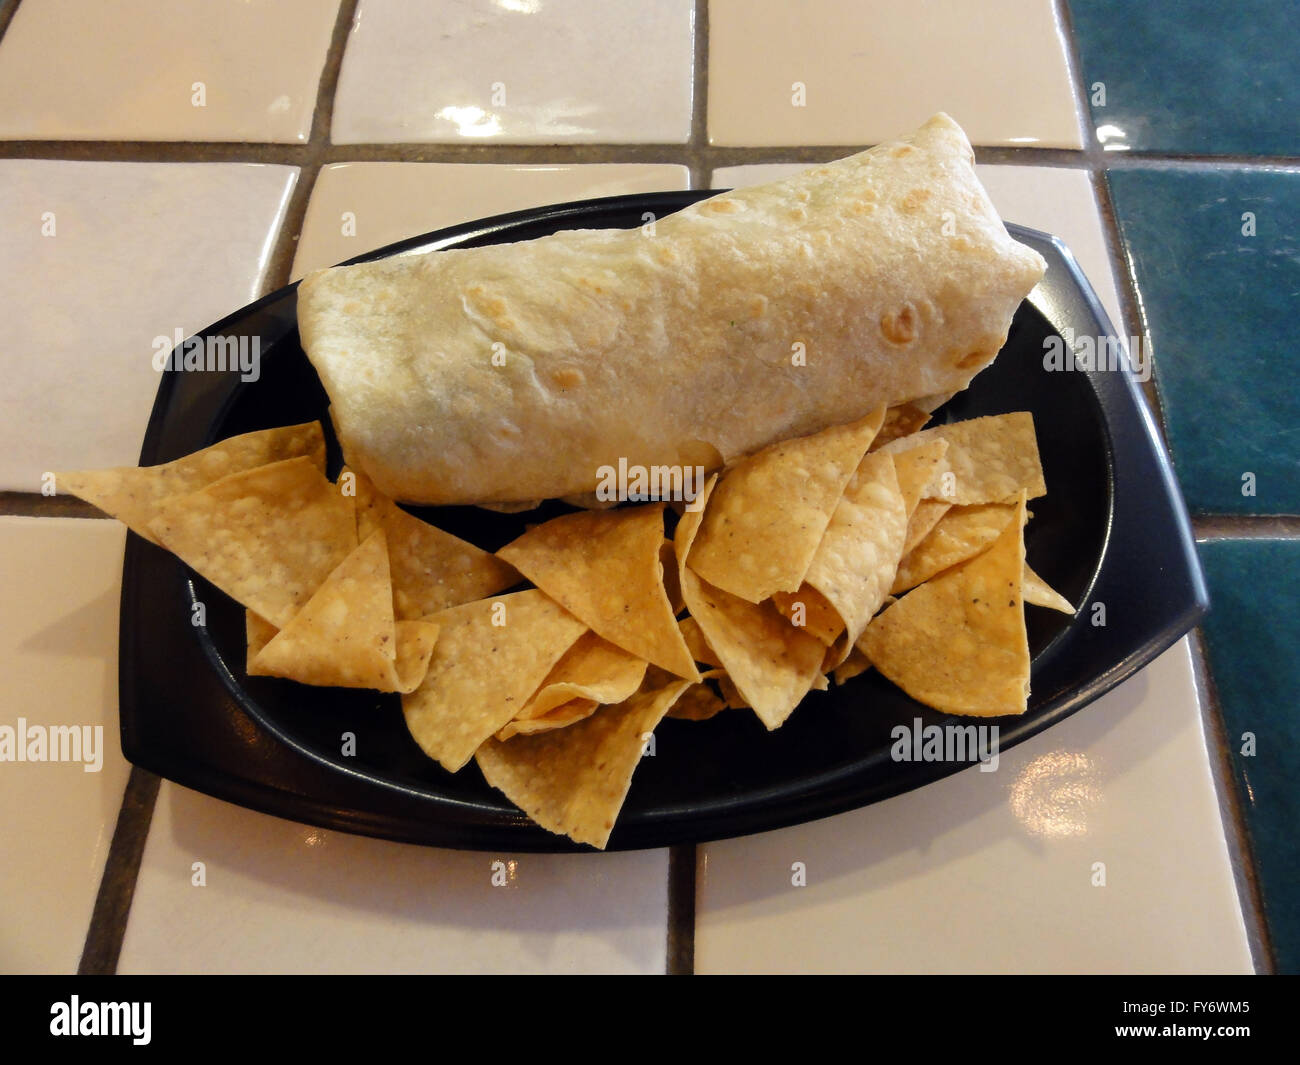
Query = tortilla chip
x=916 y=468
x=573 y=780
x=699 y=702
x=962 y=533
x=734 y=700
x=820 y=618
x=267 y=537
x=415 y=643
x=900 y=421
x=1040 y=593
x=561 y=716
x=131 y=494
x=856 y=560
x=695 y=641
x=924 y=518
x=855 y=664
x=593 y=668
x=772 y=664
x=482 y=673
x=432 y=570
x=672 y=586
x=604 y=568
x=958 y=642
x=991 y=459
x=258 y=632
x=766 y=517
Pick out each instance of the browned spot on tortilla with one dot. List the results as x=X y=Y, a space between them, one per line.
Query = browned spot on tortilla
x=973 y=359
x=913 y=200
x=566 y=377
x=723 y=206
x=758 y=307
x=902 y=150
x=899 y=328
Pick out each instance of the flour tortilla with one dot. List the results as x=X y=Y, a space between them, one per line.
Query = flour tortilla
x=758 y=315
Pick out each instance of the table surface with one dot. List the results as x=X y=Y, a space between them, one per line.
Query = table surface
x=160 y=167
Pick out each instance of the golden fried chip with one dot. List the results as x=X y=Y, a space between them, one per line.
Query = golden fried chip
x=699 y=702
x=767 y=515
x=432 y=570
x=772 y=664
x=560 y=716
x=573 y=780
x=491 y=656
x=668 y=563
x=1040 y=593
x=900 y=421
x=856 y=663
x=958 y=642
x=267 y=537
x=593 y=668
x=258 y=632
x=131 y=494
x=604 y=568
x=962 y=533
x=928 y=514
x=989 y=460
x=916 y=467
x=856 y=560
x=695 y=641
x=811 y=611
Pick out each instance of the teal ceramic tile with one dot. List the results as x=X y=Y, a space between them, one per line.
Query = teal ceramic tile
x=1194 y=77
x=1252 y=632
x=1215 y=252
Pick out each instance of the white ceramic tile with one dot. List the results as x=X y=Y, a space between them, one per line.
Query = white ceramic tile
x=133 y=252
x=183 y=70
x=517 y=71
x=283 y=897
x=357 y=207
x=1056 y=200
x=993 y=872
x=873 y=71
x=58 y=656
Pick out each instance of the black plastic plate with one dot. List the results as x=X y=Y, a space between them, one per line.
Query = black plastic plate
x=1111 y=530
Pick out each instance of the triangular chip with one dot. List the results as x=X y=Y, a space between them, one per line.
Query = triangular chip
x=131 y=494
x=989 y=460
x=699 y=702
x=926 y=515
x=573 y=780
x=344 y=635
x=856 y=560
x=811 y=611
x=962 y=533
x=767 y=515
x=958 y=643
x=1040 y=593
x=604 y=568
x=772 y=664
x=699 y=646
x=900 y=421
x=432 y=569
x=258 y=632
x=266 y=537
x=561 y=716
x=593 y=668
x=916 y=468
x=491 y=656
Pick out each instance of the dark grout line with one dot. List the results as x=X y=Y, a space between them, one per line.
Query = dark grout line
x=1231 y=812
x=1246 y=526
x=108 y=920
x=681 y=910
x=35 y=505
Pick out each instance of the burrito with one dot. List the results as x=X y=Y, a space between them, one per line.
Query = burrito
x=526 y=371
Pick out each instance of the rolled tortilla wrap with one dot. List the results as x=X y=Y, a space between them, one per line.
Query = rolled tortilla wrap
x=515 y=372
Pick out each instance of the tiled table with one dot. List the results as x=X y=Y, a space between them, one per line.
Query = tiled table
x=158 y=171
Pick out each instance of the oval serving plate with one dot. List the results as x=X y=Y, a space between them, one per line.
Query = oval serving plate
x=1112 y=530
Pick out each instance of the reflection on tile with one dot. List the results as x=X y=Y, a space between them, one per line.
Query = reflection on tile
x=58 y=657
x=103 y=258
x=186 y=70
x=517 y=71
x=995 y=872
x=280 y=897
x=844 y=72
x=1251 y=634
x=357 y=207
x=1193 y=78
x=1215 y=253
x=1054 y=199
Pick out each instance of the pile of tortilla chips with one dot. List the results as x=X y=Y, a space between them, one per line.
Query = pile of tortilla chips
x=866 y=545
